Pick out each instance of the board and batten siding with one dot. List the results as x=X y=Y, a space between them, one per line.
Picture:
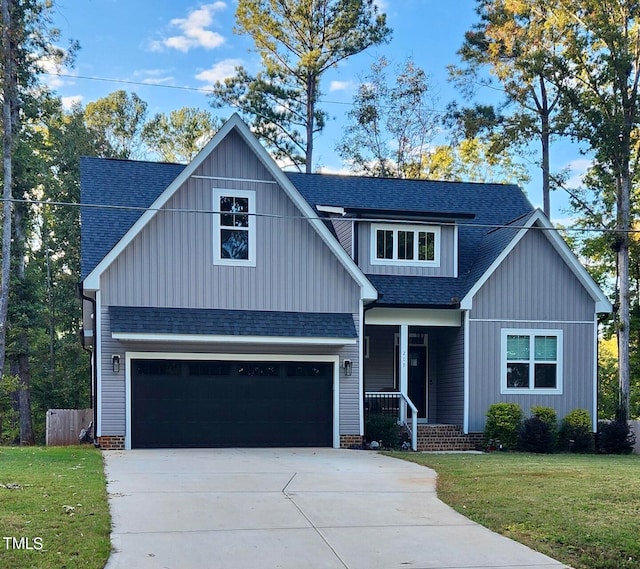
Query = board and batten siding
x=113 y=384
x=170 y=262
x=344 y=232
x=532 y=289
x=446 y=379
x=448 y=256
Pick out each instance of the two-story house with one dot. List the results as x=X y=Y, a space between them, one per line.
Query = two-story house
x=230 y=303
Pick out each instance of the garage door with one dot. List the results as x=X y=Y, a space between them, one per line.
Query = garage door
x=178 y=403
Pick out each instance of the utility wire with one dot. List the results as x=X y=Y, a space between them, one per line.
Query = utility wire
x=142 y=209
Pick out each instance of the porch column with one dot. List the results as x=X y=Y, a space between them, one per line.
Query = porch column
x=404 y=368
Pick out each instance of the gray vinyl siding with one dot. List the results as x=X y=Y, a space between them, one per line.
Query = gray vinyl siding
x=379 y=370
x=446 y=376
x=533 y=283
x=448 y=255
x=170 y=262
x=113 y=385
x=485 y=370
x=344 y=232
x=532 y=289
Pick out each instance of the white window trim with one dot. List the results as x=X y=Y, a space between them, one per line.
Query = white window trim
x=435 y=229
x=217 y=258
x=531 y=332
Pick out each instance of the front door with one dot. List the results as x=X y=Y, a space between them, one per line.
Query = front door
x=417 y=387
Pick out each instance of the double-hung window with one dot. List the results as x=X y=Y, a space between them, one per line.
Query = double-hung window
x=234 y=230
x=531 y=361
x=405 y=245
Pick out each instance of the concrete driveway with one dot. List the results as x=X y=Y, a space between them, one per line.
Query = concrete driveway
x=291 y=509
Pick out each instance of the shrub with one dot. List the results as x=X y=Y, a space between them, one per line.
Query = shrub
x=615 y=437
x=503 y=424
x=575 y=432
x=549 y=417
x=382 y=428
x=536 y=435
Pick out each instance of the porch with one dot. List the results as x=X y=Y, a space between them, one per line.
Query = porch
x=414 y=372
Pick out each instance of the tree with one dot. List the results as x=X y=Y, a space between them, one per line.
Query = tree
x=297 y=41
x=27 y=40
x=120 y=117
x=390 y=125
x=514 y=42
x=601 y=61
x=179 y=136
x=473 y=160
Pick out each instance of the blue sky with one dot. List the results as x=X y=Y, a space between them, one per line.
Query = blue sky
x=173 y=50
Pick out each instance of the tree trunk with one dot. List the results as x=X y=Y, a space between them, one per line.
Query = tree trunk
x=311 y=104
x=545 y=139
x=20 y=368
x=8 y=102
x=623 y=199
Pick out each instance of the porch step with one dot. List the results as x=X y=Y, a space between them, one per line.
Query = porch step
x=446 y=438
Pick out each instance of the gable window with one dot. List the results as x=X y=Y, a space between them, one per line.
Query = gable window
x=405 y=244
x=234 y=227
x=531 y=361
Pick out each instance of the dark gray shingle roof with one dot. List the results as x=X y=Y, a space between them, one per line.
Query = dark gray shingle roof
x=480 y=207
x=121 y=184
x=231 y=322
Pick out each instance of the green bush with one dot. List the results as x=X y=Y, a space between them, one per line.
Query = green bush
x=503 y=425
x=383 y=429
x=549 y=417
x=576 y=432
x=536 y=435
x=615 y=437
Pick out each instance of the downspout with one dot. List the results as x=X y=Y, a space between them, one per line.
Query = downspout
x=93 y=363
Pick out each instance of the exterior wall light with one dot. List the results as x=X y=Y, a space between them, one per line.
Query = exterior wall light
x=348 y=367
x=115 y=361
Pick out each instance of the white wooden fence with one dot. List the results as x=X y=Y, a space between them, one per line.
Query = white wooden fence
x=64 y=425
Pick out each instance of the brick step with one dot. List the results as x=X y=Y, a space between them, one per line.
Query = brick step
x=446 y=438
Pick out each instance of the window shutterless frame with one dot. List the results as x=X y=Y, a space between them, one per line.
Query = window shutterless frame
x=410 y=245
x=234 y=227
x=528 y=360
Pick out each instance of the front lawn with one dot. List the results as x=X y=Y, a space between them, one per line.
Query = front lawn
x=583 y=510
x=53 y=508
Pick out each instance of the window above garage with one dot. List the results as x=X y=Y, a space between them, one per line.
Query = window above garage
x=234 y=227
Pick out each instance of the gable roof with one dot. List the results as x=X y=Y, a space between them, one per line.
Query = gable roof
x=133 y=187
x=92 y=277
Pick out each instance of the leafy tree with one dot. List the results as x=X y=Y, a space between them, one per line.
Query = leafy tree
x=513 y=41
x=120 y=118
x=473 y=160
x=390 y=125
x=601 y=64
x=27 y=40
x=297 y=41
x=179 y=136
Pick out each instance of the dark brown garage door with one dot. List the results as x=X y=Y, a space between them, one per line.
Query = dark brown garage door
x=177 y=403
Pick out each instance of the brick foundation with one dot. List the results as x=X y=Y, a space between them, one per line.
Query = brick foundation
x=447 y=438
x=111 y=442
x=350 y=441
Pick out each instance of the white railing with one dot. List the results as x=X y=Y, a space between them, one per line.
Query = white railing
x=400 y=409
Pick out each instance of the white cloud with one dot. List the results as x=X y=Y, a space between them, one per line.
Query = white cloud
x=194 y=30
x=69 y=102
x=219 y=72
x=53 y=69
x=382 y=5
x=154 y=77
x=577 y=169
x=340 y=85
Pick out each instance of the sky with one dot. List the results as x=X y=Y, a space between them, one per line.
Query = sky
x=169 y=52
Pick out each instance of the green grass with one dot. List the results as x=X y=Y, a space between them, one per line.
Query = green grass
x=57 y=495
x=583 y=510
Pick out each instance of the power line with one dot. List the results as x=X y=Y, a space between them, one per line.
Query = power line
x=206 y=91
x=143 y=209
